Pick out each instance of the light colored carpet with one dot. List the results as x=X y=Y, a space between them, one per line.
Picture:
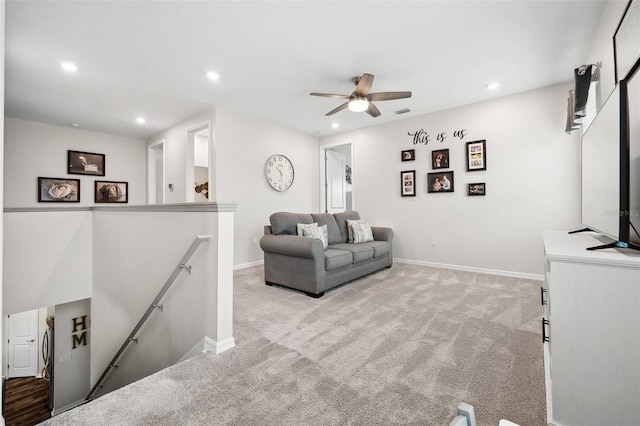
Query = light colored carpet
x=403 y=346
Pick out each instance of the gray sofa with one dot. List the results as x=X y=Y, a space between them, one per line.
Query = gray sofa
x=302 y=263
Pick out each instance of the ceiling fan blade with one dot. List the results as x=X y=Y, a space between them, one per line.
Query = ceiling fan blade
x=372 y=110
x=388 y=96
x=364 y=85
x=330 y=95
x=340 y=108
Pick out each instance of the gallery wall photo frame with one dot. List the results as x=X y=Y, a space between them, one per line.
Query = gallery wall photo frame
x=111 y=192
x=408 y=155
x=477 y=189
x=626 y=42
x=440 y=182
x=476 y=155
x=408 y=183
x=440 y=159
x=58 y=190
x=85 y=163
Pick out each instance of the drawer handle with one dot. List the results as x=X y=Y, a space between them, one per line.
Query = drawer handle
x=542 y=292
x=545 y=338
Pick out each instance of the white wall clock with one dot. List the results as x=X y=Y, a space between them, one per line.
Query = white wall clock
x=278 y=171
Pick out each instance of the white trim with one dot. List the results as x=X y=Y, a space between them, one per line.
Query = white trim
x=151 y=171
x=323 y=189
x=68 y=407
x=512 y=274
x=248 y=265
x=218 y=347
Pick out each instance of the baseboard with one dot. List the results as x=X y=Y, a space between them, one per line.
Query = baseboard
x=512 y=274
x=68 y=407
x=248 y=265
x=207 y=344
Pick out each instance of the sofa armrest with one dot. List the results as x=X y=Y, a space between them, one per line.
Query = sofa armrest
x=382 y=234
x=293 y=245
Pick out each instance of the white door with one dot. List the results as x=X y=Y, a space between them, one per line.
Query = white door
x=336 y=182
x=23 y=331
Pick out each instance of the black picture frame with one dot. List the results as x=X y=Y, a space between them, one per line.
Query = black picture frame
x=477 y=189
x=85 y=163
x=111 y=192
x=440 y=182
x=408 y=155
x=58 y=190
x=476 y=155
x=408 y=183
x=626 y=42
x=440 y=159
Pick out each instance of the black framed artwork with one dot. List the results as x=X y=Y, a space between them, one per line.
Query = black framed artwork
x=476 y=155
x=477 y=189
x=111 y=192
x=85 y=163
x=626 y=42
x=440 y=159
x=58 y=190
x=408 y=183
x=408 y=155
x=440 y=182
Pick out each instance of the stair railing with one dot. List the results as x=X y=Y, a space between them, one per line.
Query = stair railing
x=153 y=306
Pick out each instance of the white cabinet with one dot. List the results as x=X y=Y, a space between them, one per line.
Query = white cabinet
x=592 y=324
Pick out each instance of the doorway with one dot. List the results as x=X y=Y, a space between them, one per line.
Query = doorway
x=336 y=178
x=198 y=167
x=156 y=173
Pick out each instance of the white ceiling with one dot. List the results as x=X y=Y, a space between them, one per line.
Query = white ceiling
x=150 y=58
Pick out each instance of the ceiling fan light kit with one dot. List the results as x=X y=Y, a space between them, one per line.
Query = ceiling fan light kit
x=358 y=104
x=361 y=100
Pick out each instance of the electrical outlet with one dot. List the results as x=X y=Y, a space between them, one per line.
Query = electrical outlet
x=65 y=357
x=255 y=240
x=434 y=241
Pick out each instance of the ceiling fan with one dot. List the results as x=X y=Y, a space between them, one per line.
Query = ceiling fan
x=361 y=100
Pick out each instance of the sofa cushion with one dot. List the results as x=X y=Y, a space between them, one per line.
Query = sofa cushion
x=380 y=248
x=360 y=251
x=319 y=232
x=286 y=223
x=341 y=220
x=350 y=225
x=333 y=232
x=334 y=259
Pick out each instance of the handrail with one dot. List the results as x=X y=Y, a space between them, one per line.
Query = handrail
x=155 y=304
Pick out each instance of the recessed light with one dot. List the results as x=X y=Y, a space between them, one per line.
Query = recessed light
x=335 y=125
x=69 y=66
x=492 y=86
x=212 y=75
x=141 y=120
x=74 y=125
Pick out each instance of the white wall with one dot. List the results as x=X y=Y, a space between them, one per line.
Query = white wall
x=36 y=149
x=532 y=182
x=242 y=146
x=2 y=20
x=47 y=258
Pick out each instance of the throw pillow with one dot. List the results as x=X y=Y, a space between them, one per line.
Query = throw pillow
x=301 y=226
x=350 y=223
x=362 y=233
x=317 y=232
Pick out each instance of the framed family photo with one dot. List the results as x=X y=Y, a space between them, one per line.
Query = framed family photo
x=408 y=183
x=440 y=182
x=408 y=155
x=476 y=155
x=440 y=159
x=111 y=192
x=85 y=163
x=477 y=189
x=58 y=190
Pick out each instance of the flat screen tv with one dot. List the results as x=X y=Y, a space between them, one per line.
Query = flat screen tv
x=607 y=169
